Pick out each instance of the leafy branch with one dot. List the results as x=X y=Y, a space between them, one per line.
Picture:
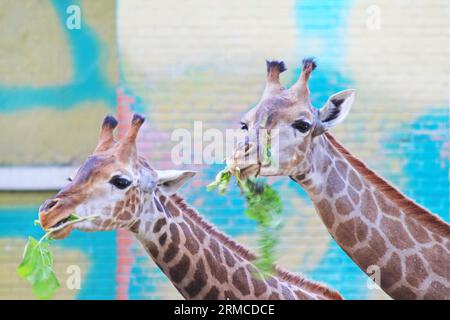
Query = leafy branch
x=263 y=206
x=37 y=263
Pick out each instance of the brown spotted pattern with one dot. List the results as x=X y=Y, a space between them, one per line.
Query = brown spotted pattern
x=203 y=266
x=201 y=262
x=413 y=258
x=371 y=220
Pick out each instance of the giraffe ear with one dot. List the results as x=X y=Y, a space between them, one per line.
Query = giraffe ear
x=335 y=110
x=169 y=181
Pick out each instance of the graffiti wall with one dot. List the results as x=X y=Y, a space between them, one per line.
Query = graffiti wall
x=56 y=83
x=209 y=65
x=54 y=78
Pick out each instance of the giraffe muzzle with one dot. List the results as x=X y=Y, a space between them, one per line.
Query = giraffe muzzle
x=54 y=212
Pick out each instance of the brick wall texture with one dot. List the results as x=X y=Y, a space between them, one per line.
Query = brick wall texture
x=180 y=62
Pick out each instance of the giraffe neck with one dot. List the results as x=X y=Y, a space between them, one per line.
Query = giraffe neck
x=377 y=226
x=203 y=263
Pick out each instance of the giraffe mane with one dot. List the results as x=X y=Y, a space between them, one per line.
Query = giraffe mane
x=411 y=208
x=247 y=254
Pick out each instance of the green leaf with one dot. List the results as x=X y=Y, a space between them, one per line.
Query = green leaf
x=37 y=262
x=221 y=181
x=36 y=268
x=74 y=217
x=267 y=153
x=30 y=257
x=263 y=206
x=45 y=284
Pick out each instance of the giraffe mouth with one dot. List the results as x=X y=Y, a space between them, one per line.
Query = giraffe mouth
x=62 y=233
x=256 y=170
x=63 y=229
x=249 y=171
x=60 y=223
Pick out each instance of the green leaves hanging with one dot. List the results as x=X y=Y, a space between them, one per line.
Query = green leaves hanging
x=37 y=262
x=37 y=268
x=263 y=206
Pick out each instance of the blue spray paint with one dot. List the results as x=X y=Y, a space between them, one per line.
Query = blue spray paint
x=89 y=82
x=99 y=280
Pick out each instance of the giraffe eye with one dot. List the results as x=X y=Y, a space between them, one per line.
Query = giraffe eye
x=301 y=125
x=244 y=126
x=119 y=182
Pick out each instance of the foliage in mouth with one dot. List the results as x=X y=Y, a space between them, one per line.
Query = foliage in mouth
x=60 y=223
x=263 y=206
x=37 y=264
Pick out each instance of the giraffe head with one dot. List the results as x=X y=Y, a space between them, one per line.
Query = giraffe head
x=114 y=183
x=285 y=124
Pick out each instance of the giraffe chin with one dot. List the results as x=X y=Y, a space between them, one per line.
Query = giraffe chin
x=256 y=170
x=63 y=233
x=250 y=171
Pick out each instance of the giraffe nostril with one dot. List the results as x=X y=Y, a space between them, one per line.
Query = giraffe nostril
x=49 y=204
x=244 y=147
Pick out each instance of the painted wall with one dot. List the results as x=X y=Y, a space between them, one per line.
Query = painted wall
x=209 y=65
x=56 y=84
x=54 y=80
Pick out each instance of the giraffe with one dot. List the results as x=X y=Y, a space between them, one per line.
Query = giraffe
x=200 y=261
x=377 y=226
